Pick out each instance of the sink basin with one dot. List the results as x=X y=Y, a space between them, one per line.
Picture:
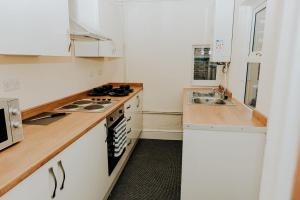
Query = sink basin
x=209 y=99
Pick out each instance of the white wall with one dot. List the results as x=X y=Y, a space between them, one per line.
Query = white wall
x=159 y=39
x=43 y=79
x=240 y=51
x=159 y=36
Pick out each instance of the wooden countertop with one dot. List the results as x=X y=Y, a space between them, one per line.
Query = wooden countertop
x=217 y=115
x=43 y=143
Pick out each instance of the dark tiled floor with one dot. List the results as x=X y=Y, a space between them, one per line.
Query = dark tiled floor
x=153 y=172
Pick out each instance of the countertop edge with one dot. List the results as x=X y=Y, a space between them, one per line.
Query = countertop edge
x=233 y=128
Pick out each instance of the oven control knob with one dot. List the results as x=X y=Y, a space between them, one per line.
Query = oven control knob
x=16 y=125
x=14 y=111
x=111 y=119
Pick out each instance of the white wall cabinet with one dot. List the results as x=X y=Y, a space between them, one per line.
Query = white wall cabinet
x=32 y=27
x=104 y=18
x=133 y=114
x=223 y=16
x=81 y=169
x=223 y=165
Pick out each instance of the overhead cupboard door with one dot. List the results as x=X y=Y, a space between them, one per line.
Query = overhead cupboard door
x=31 y=27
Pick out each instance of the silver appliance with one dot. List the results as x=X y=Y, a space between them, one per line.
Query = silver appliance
x=88 y=105
x=11 y=130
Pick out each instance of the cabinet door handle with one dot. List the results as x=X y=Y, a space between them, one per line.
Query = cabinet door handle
x=138 y=105
x=128 y=106
x=64 y=174
x=129 y=131
x=51 y=171
x=128 y=119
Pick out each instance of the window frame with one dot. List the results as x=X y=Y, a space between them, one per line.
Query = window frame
x=204 y=82
x=255 y=56
x=246 y=84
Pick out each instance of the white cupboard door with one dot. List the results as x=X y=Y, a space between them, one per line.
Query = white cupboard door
x=139 y=113
x=38 y=186
x=31 y=27
x=85 y=166
x=227 y=162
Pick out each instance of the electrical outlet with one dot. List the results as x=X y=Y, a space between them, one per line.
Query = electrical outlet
x=11 y=85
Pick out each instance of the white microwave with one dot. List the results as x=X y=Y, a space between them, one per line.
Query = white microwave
x=11 y=130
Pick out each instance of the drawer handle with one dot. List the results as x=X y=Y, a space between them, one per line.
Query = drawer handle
x=129 y=131
x=51 y=171
x=129 y=119
x=64 y=174
x=128 y=106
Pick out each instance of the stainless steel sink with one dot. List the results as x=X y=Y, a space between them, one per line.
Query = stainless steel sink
x=209 y=98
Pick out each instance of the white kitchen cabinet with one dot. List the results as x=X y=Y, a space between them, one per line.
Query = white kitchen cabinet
x=133 y=114
x=38 y=186
x=82 y=169
x=222 y=164
x=223 y=13
x=86 y=167
x=31 y=27
x=103 y=18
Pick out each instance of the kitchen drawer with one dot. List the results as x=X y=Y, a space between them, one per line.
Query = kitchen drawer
x=129 y=105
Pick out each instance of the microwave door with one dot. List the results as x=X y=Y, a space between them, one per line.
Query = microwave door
x=5 y=129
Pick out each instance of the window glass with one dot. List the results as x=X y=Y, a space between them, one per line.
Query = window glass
x=259 y=27
x=203 y=68
x=252 y=84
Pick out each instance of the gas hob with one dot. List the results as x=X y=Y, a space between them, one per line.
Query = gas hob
x=88 y=105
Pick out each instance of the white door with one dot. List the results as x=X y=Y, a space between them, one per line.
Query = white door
x=85 y=166
x=31 y=27
x=38 y=186
x=139 y=112
x=221 y=165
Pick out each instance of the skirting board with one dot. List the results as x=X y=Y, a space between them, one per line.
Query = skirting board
x=162 y=134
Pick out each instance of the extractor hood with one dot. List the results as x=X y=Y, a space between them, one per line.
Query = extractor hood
x=78 y=31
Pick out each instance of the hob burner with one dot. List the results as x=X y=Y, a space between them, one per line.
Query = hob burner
x=82 y=102
x=69 y=107
x=93 y=107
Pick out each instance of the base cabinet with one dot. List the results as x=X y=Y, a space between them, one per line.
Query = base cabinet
x=133 y=114
x=35 y=187
x=86 y=168
x=77 y=173
x=221 y=165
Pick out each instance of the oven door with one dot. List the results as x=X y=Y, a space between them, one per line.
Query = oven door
x=5 y=129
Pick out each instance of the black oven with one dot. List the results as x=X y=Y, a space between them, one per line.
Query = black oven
x=116 y=138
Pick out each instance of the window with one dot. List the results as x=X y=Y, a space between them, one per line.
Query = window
x=257 y=36
x=204 y=71
x=255 y=55
x=259 y=27
x=252 y=84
